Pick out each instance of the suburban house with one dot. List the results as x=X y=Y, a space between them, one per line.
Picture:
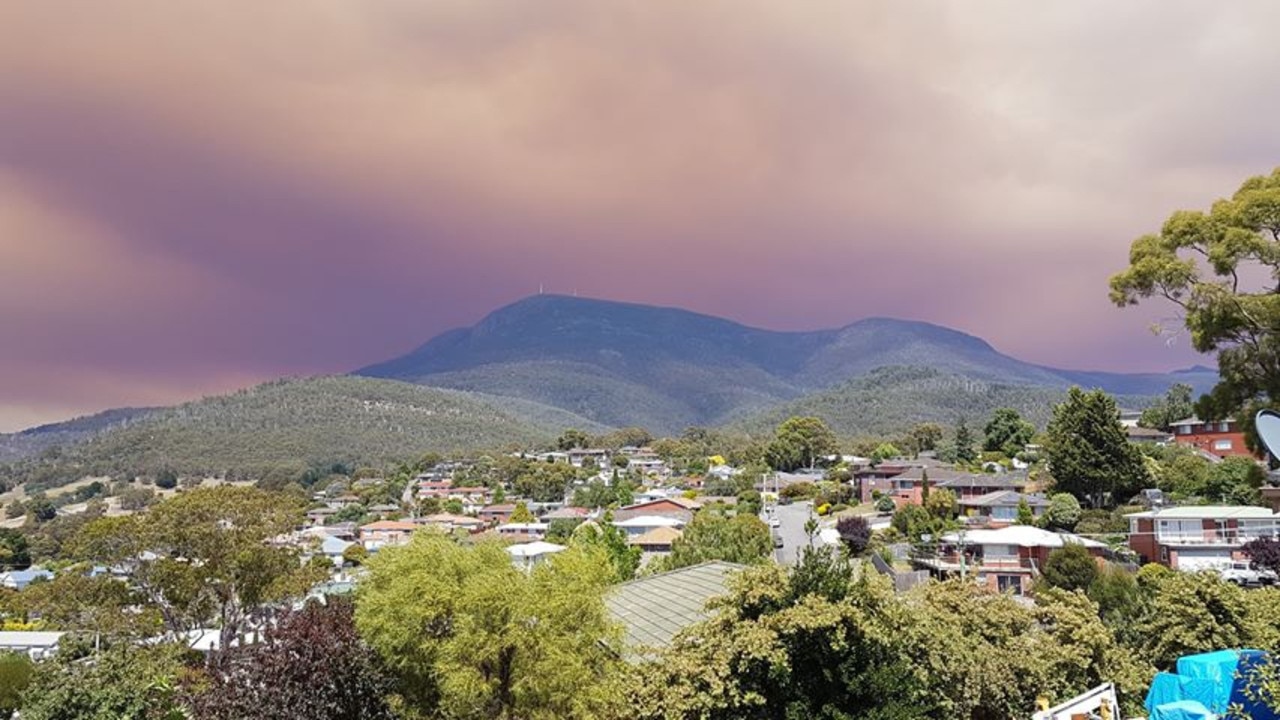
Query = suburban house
x=382 y=533
x=676 y=507
x=657 y=540
x=907 y=486
x=640 y=524
x=1000 y=508
x=537 y=530
x=1198 y=537
x=653 y=610
x=1149 y=436
x=566 y=513
x=318 y=516
x=526 y=556
x=495 y=514
x=579 y=456
x=36 y=645
x=1005 y=559
x=1222 y=438
x=20 y=579
x=447 y=522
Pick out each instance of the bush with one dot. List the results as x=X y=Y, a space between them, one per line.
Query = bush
x=1070 y=567
x=855 y=533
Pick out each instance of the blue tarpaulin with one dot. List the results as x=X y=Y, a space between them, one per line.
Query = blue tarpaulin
x=1206 y=686
x=1182 y=710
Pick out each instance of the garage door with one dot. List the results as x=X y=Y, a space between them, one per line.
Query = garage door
x=1200 y=559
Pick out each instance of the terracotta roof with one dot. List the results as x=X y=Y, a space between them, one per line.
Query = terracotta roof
x=389 y=525
x=656 y=536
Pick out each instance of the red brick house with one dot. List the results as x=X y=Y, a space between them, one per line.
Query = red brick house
x=1006 y=559
x=676 y=507
x=1222 y=438
x=1198 y=537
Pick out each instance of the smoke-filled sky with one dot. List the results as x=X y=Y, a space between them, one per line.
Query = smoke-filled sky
x=197 y=196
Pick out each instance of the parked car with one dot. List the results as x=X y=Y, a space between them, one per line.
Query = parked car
x=777 y=540
x=1242 y=574
x=774 y=521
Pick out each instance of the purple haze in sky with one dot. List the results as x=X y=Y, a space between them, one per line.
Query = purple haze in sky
x=205 y=195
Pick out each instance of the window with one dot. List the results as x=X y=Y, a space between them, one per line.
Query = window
x=1224 y=427
x=1221 y=444
x=1184 y=429
x=1009 y=583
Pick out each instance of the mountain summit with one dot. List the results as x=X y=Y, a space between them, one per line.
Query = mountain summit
x=666 y=368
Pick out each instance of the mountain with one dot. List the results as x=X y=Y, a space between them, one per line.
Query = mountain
x=665 y=368
x=302 y=423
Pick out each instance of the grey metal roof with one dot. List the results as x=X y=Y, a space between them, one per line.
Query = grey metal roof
x=653 y=610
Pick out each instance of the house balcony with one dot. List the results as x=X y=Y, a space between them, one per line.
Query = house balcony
x=1212 y=538
x=975 y=565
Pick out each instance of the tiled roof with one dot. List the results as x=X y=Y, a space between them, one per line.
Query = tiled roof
x=653 y=610
x=656 y=536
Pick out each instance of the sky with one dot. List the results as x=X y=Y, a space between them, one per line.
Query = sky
x=198 y=196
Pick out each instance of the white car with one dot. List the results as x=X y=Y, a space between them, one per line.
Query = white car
x=1241 y=574
x=775 y=522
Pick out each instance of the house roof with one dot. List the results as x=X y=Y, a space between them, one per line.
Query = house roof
x=1208 y=512
x=572 y=513
x=499 y=508
x=656 y=536
x=1141 y=432
x=685 y=503
x=450 y=518
x=1002 y=498
x=1193 y=420
x=534 y=549
x=1020 y=535
x=653 y=610
x=983 y=481
x=389 y=525
x=649 y=521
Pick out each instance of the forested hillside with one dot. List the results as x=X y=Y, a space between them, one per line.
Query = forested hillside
x=312 y=422
x=890 y=400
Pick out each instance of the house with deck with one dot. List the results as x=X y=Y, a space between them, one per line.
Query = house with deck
x=1006 y=559
x=1199 y=537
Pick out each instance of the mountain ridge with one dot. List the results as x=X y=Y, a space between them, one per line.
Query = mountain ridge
x=626 y=363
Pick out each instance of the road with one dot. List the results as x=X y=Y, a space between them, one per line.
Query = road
x=792 y=517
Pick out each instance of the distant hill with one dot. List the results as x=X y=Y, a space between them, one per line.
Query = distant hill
x=33 y=441
x=308 y=422
x=665 y=368
x=890 y=400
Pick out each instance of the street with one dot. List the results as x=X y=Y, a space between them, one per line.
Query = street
x=793 y=518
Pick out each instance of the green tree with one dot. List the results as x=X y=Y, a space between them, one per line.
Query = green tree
x=1220 y=267
x=1063 y=512
x=1089 y=454
x=943 y=504
x=126 y=681
x=101 y=607
x=15 y=552
x=885 y=451
x=521 y=514
x=964 y=450
x=1174 y=406
x=1193 y=613
x=572 y=439
x=1070 y=567
x=800 y=441
x=924 y=436
x=741 y=539
x=1007 y=432
x=1236 y=481
x=471 y=636
x=559 y=530
x=203 y=556
x=749 y=502
x=355 y=554
x=604 y=536
x=1025 y=515
x=15 y=675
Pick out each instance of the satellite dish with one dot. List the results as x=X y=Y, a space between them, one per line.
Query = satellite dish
x=1267 y=423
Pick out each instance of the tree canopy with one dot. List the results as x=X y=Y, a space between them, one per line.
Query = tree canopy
x=471 y=636
x=799 y=442
x=1222 y=269
x=1089 y=454
x=1007 y=432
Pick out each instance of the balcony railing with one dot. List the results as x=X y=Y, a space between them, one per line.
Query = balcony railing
x=1213 y=537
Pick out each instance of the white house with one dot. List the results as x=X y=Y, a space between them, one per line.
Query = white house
x=528 y=555
x=642 y=524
